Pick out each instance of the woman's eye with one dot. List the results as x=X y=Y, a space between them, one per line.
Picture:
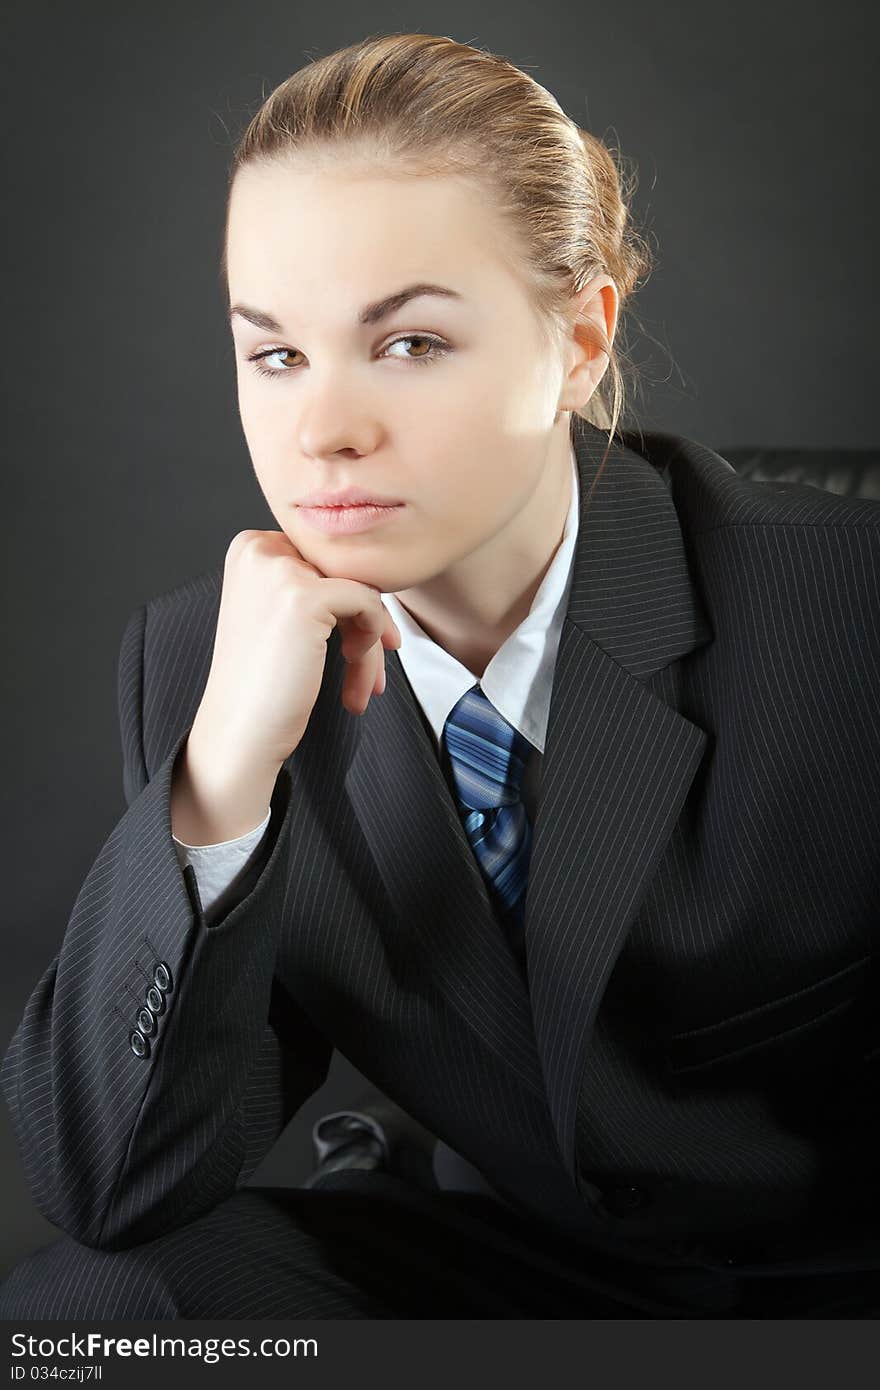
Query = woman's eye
x=436 y=346
x=433 y=349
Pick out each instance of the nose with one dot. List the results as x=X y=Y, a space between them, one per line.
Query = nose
x=334 y=419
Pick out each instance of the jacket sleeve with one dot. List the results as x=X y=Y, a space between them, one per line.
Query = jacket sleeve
x=219 y=868
x=159 y=1056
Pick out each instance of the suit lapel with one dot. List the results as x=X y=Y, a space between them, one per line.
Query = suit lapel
x=617 y=765
x=618 y=761
x=410 y=821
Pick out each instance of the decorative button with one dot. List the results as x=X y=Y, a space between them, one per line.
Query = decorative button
x=155 y=1000
x=146 y=1021
x=162 y=977
x=139 y=1045
x=622 y=1200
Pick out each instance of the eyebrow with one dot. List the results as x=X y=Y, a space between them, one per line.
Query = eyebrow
x=371 y=313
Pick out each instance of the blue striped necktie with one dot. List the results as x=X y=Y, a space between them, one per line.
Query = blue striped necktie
x=488 y=757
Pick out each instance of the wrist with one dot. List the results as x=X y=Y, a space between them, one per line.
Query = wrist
x=218 y=792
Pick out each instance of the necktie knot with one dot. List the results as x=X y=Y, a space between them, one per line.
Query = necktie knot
x=488 y=755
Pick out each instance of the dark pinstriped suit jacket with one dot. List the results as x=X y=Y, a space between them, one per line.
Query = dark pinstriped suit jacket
x=693 y=1060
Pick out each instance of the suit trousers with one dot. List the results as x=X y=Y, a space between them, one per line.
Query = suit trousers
x=369 y=1244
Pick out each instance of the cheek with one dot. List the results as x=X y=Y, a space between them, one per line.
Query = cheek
x=263 y=428
x=267 y=445
x=278 y=488
x=478 y=498
x=258 y=444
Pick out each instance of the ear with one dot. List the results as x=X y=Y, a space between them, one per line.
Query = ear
x=598 y=302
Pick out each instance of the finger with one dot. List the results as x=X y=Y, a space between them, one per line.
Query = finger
x=391 y=634
x=357 y=605
x=365 y=629
x=362 y=677
x=354 y=640
x=381 y=675
x=360 y=680
x=359 y=631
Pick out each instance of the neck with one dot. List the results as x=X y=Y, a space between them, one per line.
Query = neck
x=472 y=608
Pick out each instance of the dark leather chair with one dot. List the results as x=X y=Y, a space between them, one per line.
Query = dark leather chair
x=848 y=472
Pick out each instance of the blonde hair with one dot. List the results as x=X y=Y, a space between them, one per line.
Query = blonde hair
x=423 y=105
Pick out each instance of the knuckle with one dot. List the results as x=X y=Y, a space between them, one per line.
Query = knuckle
x=241 y=543
x=292 y=593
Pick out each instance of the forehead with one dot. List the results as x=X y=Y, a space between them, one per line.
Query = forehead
x=351 y=231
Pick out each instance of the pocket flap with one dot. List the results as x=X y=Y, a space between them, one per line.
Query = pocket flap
x=739 y=1034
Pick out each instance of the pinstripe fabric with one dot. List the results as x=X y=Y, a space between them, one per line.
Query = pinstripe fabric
x=370 y=1244
x=693 y=1058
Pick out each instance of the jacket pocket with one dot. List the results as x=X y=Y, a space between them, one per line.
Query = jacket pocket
x=829 y=1008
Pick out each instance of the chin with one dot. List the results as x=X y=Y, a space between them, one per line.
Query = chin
x=389 y=573
x=374 y=574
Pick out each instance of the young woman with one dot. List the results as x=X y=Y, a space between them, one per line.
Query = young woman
x=531 y=762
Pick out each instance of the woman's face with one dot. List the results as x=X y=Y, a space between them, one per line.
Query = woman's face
x=447 y=403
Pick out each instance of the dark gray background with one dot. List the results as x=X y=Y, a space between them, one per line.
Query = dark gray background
x=752 y=129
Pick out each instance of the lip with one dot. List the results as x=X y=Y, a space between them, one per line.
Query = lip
x=347 y=520
x=347 y=497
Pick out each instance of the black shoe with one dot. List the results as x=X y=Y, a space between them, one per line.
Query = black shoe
x=375 y=1133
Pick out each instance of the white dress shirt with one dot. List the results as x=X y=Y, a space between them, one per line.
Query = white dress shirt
x=518 y=680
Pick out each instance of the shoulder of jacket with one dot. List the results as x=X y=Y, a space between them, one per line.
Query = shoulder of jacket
x=177 y=636
x=200 y=589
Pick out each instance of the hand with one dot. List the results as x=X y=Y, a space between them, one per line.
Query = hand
x=276 y=613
